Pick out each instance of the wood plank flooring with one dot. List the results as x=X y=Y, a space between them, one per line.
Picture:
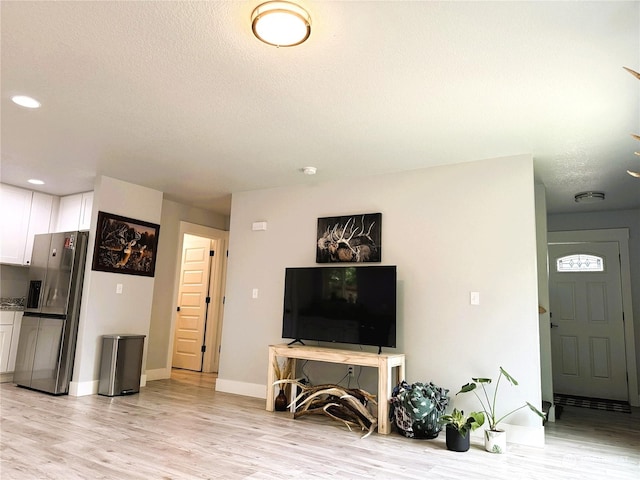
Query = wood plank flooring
x=182 y=429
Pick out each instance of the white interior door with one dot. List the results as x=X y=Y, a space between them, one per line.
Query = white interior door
x=192 y=303
x=587 y=334
x=211 y=358
x=5 y=346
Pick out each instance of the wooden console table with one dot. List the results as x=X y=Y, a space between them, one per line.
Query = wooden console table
x=384 y=362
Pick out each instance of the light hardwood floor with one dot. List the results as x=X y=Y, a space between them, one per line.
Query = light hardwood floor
x=182 y=429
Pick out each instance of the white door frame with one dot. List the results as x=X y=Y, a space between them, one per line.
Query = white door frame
x=620 y=235
x=217 y=279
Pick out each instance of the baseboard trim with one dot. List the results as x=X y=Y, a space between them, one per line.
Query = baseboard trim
x=241 y=388
x=530 y=436
x=80 y=389
x=158 y=374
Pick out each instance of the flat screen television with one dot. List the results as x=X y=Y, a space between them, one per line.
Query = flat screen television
x=342 y=304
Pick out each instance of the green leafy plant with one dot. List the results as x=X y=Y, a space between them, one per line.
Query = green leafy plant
x=417 y=408
x=462 y=424
x=489 y=405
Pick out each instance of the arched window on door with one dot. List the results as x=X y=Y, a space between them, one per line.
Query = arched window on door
x=580 y=262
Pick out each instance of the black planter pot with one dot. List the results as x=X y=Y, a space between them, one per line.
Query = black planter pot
x=455 y=441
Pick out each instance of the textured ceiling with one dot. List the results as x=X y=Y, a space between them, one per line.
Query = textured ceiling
x=180 y=97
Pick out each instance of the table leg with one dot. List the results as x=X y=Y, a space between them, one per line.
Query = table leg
x=401 y=374
x=293 y=389
x=384 y=393
x=271 y=377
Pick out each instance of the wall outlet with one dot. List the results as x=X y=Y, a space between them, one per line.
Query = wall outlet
x=350 y=370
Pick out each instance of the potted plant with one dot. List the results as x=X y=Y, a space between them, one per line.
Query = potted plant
x=495 y=439
x=459 y=427
x=417 y=408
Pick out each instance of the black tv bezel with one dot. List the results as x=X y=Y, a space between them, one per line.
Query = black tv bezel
x=392 y=324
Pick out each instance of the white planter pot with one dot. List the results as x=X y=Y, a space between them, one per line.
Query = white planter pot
x=495 y=441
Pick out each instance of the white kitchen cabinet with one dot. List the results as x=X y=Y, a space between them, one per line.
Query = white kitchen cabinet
x=23 y=214
x=40 y=220
x=5 y=347
x=15 y=336
x=69 y=213
x=15 y=207
x=6 y=330
x=74 y=212
x=85 y=211
x=10 y=322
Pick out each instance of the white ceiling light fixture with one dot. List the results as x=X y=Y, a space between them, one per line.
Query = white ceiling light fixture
x=35 y=181
x=309 y=170
x=589 y=197
x=282 y=24
x=26 y=102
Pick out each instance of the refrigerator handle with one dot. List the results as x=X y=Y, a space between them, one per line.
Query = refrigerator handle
x=33 y=299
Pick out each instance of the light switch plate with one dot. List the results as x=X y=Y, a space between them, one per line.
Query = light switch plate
x=474 y=298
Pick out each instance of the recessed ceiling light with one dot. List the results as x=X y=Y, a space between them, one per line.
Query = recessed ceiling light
x=35 y=181
x=24 y=101
x=309 y=170
x=589 y=197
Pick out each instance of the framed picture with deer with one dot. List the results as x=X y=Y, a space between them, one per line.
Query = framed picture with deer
x=349 y=238
x=125 y=245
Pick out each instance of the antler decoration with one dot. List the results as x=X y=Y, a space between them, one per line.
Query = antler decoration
x=347 y=405
x=632 y=72
x=637 y=137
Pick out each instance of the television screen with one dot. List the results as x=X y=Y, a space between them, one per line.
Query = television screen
x=354 y=304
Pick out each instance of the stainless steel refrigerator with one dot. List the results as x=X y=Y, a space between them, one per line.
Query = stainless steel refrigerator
x=47 y=343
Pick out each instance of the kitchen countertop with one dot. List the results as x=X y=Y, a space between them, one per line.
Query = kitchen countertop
x=15 y=304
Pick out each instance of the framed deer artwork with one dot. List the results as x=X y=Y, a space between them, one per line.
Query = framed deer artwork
x=125 y=245
x=350 y=238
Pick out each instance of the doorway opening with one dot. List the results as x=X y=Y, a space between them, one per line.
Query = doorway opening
x=592 y=334
x=199 y=305
x=587 y=326
x=188 y=378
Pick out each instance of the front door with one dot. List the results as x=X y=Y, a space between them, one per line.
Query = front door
x=192 y=303
x=587 y=334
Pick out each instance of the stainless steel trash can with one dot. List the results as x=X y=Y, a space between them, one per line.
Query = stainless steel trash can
x=121 y=364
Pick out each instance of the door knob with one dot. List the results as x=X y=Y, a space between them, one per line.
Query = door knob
x=553 y=325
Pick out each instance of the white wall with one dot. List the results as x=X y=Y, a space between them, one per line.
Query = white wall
x=611 y=219
x=103 y=312
x=450 y=230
